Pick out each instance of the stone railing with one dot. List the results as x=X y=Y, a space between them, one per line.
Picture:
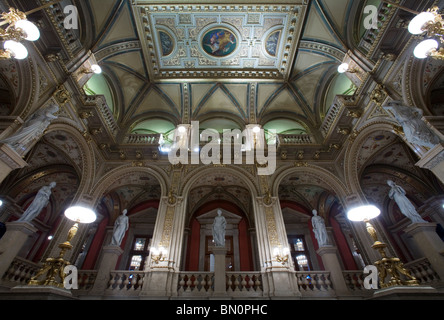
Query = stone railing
x=125 y=283
x=354 y=280
x=244 y=284
x=295 y=139
x=145 y=139
x=314 y=283
x=422 y=271
x=20 y=272
x=86 y=279
x=332 y=116
x=195 y=283
x=371 y=38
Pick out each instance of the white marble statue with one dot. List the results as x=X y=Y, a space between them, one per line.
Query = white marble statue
x=40 y=201
x=319 y=229
x=33 y=129
x=219 y=225
x=415 y=129
x=397 y=193
x=121 y=225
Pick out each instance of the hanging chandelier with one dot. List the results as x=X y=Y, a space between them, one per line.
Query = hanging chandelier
x=430 y=23
x=18 y=29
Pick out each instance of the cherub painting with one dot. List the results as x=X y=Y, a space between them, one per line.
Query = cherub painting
x=219 y=42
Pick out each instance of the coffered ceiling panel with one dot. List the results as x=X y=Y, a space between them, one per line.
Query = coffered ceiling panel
x=207 y=41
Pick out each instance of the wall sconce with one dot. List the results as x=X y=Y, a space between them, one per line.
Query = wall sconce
x=281 y=255
x=345 y=68
x=95 y=69
x=158 y=255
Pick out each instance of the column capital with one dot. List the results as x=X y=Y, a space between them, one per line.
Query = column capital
x=116 y=250
x=23 y=226
x=420 y=227
x=11 y=158
x=326 y=250
x=432 y=158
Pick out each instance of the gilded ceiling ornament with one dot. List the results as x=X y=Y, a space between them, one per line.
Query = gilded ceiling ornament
x=62 y=95
x=344 y=131
x=379 y=95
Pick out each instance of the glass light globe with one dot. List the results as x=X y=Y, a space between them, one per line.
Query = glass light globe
x=80 y=214
x=256 y=129
x=423 y=49
x=96 y=69
x=31 y=30
x=343 y=68
x=416 y=25
x=17 y=49
x=363 y=213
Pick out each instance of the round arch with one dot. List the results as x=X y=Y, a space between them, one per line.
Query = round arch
x=333 y=183
x=103 y=185
x=85 y=149
x=244 y=176
x=352 y=154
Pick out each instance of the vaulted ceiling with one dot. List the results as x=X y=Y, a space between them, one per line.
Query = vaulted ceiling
x=224 y=65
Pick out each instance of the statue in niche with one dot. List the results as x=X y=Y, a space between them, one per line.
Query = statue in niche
x=398 y=194
x=415 y=129
x=219 y=225
x=40 y=201
x=319 y=229
x=33 y=129
x=121 y=225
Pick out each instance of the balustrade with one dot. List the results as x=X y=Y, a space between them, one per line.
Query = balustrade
x=20 y=272
x=199 y=283
x=125 y=282
x=314 y=282
x=246 y=283
x=422 y=271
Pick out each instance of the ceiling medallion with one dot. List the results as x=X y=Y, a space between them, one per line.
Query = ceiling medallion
x=219 y=42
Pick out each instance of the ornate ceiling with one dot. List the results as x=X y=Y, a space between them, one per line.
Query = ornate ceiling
x=233 y=62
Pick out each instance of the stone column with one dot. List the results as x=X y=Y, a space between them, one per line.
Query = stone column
x=429 y=243
x=329 y=255
x=9 y=161
x=278 y=279
x=107 y=264
x=12 y=242
x=162 y=276
x=220 y=289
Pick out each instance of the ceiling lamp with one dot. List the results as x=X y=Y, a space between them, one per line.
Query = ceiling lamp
x=432 y=23
x=19 y=29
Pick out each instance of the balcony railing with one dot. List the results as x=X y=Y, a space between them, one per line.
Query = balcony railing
x=125 y=284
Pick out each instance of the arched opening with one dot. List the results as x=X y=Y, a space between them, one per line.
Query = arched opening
x=138 y=193
x=226 y=192
x=299 y=195
x=385 y=156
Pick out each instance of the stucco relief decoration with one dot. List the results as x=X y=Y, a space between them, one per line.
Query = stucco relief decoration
x=206 y=40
